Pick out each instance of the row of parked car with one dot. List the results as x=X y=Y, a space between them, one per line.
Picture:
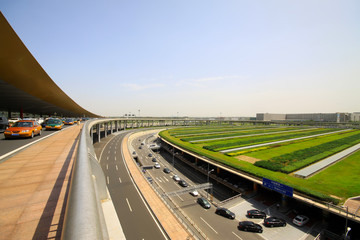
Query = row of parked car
x=30 y=128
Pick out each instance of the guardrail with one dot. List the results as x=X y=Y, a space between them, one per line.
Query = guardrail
x=84 y=218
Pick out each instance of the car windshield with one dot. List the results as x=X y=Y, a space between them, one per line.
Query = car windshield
x=53 y=121
x=23 y=124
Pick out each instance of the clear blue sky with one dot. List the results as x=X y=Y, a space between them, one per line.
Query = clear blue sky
x=199 y=58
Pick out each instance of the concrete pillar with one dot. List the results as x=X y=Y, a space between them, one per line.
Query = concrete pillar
x=105 y=128
x=284 y=201
x=98 y=131
x=255 y=187
x=116 y=126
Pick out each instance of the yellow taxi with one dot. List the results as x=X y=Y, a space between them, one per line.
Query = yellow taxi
x=54 y=124
x=23 y=128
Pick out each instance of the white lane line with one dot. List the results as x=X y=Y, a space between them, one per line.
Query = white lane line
x=237 y=236
x=107 y=158
x=108 y=152
x=107 y=166
x=108 y=180
x=166 y=179
x=180 y=197
x=115 y=158
x=115 y=152
x=159 y=179
x=209 y=225
x=117 y=169
x=120 y=180
x=128 y=204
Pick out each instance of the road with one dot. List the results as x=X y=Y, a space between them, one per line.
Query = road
x=10 y=145
x=209 y=223
x=134 y=216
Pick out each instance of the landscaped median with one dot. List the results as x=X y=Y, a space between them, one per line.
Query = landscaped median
x=277 y=162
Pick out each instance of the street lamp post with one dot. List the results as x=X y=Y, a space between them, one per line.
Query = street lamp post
x=347 y=232
x=173 y=152
x=207 y=193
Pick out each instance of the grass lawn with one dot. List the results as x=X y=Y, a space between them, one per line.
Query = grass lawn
x=340 y=179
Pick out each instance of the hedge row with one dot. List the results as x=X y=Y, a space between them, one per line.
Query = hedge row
x=242 y=142
x=291 y=162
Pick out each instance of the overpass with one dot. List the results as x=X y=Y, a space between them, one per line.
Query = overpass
x=71 y=201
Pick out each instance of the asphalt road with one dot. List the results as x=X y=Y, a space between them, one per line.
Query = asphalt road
x=9 y=145
x=134 y=216
x=211 y=224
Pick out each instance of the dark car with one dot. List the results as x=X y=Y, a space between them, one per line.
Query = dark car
x=225 y=213
x=203 y=202
x=274 y=222
x=150 y=155
x=154 y=160
x=254 y=213
x=183 y=183
x=166 y=170
x=250 y=226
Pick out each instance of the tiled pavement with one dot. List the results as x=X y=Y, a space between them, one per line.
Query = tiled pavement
x=33 y=186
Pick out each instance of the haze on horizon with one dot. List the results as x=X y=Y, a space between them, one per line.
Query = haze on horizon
x=196 y=58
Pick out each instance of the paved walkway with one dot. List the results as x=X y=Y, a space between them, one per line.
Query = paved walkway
x=33 y=187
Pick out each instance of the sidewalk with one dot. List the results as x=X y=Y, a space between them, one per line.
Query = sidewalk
x=34 y=185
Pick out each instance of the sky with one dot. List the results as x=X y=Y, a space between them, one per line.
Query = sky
x=201 y=58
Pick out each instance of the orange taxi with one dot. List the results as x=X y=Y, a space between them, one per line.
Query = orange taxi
x=23 y=128
x=69 y=121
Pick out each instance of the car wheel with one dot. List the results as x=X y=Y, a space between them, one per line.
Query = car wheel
x=271 y=225
x=260 y=231
x=32 y=134
x=245 y=229
x=284 y=224
x=40 y=133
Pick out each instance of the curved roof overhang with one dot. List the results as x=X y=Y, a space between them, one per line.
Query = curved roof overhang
x=25 y=86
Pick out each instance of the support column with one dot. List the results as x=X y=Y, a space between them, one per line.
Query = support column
x=255 y=187
x=116 y=126
x=105 y=129
x=98 y=131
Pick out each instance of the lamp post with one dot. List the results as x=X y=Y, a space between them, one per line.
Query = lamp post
x=173 y=152
x=347 y=232
x=207 y=193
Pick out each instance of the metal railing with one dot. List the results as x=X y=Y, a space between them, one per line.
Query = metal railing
x=84 y=218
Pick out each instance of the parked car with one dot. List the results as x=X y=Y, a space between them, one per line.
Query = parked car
x=154 y=160
x=140 y=147
x=194 y=193
x=23 y=128
x=250 y=226
x=176 y=178
x=150 y=155
x=54 y=124
x=204 y=202
x=300 y=220
x=254 y=213
x=166 y=170
x=69 y=121
x=225 y=213
x=274 y=222
x=157 y=165
x=183 y=183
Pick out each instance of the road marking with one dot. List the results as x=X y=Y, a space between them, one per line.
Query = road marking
x=128 y=204
x=180 y=197
x=115 y=158
x=237 y=236
x=166 y=179
x=115 y=152
x=108 y=152
x=209 y=225
x=107 y=158
x=159 y=179
x=120 y=180
x=117 y=169
x=107 y=166
x=108 y=180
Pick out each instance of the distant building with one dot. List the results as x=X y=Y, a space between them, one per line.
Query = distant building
x=355 y=117
x=316 y=117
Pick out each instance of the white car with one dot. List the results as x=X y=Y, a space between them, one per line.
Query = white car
x=157 y=165
x=194 y=193
x=300 y=220
x=176 y=178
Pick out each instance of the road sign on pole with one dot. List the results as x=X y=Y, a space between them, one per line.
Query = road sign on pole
x=278 y=187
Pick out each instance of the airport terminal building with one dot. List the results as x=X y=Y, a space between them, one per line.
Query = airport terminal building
x=339 y=117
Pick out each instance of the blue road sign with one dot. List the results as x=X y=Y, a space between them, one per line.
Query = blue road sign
x=278 y=187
